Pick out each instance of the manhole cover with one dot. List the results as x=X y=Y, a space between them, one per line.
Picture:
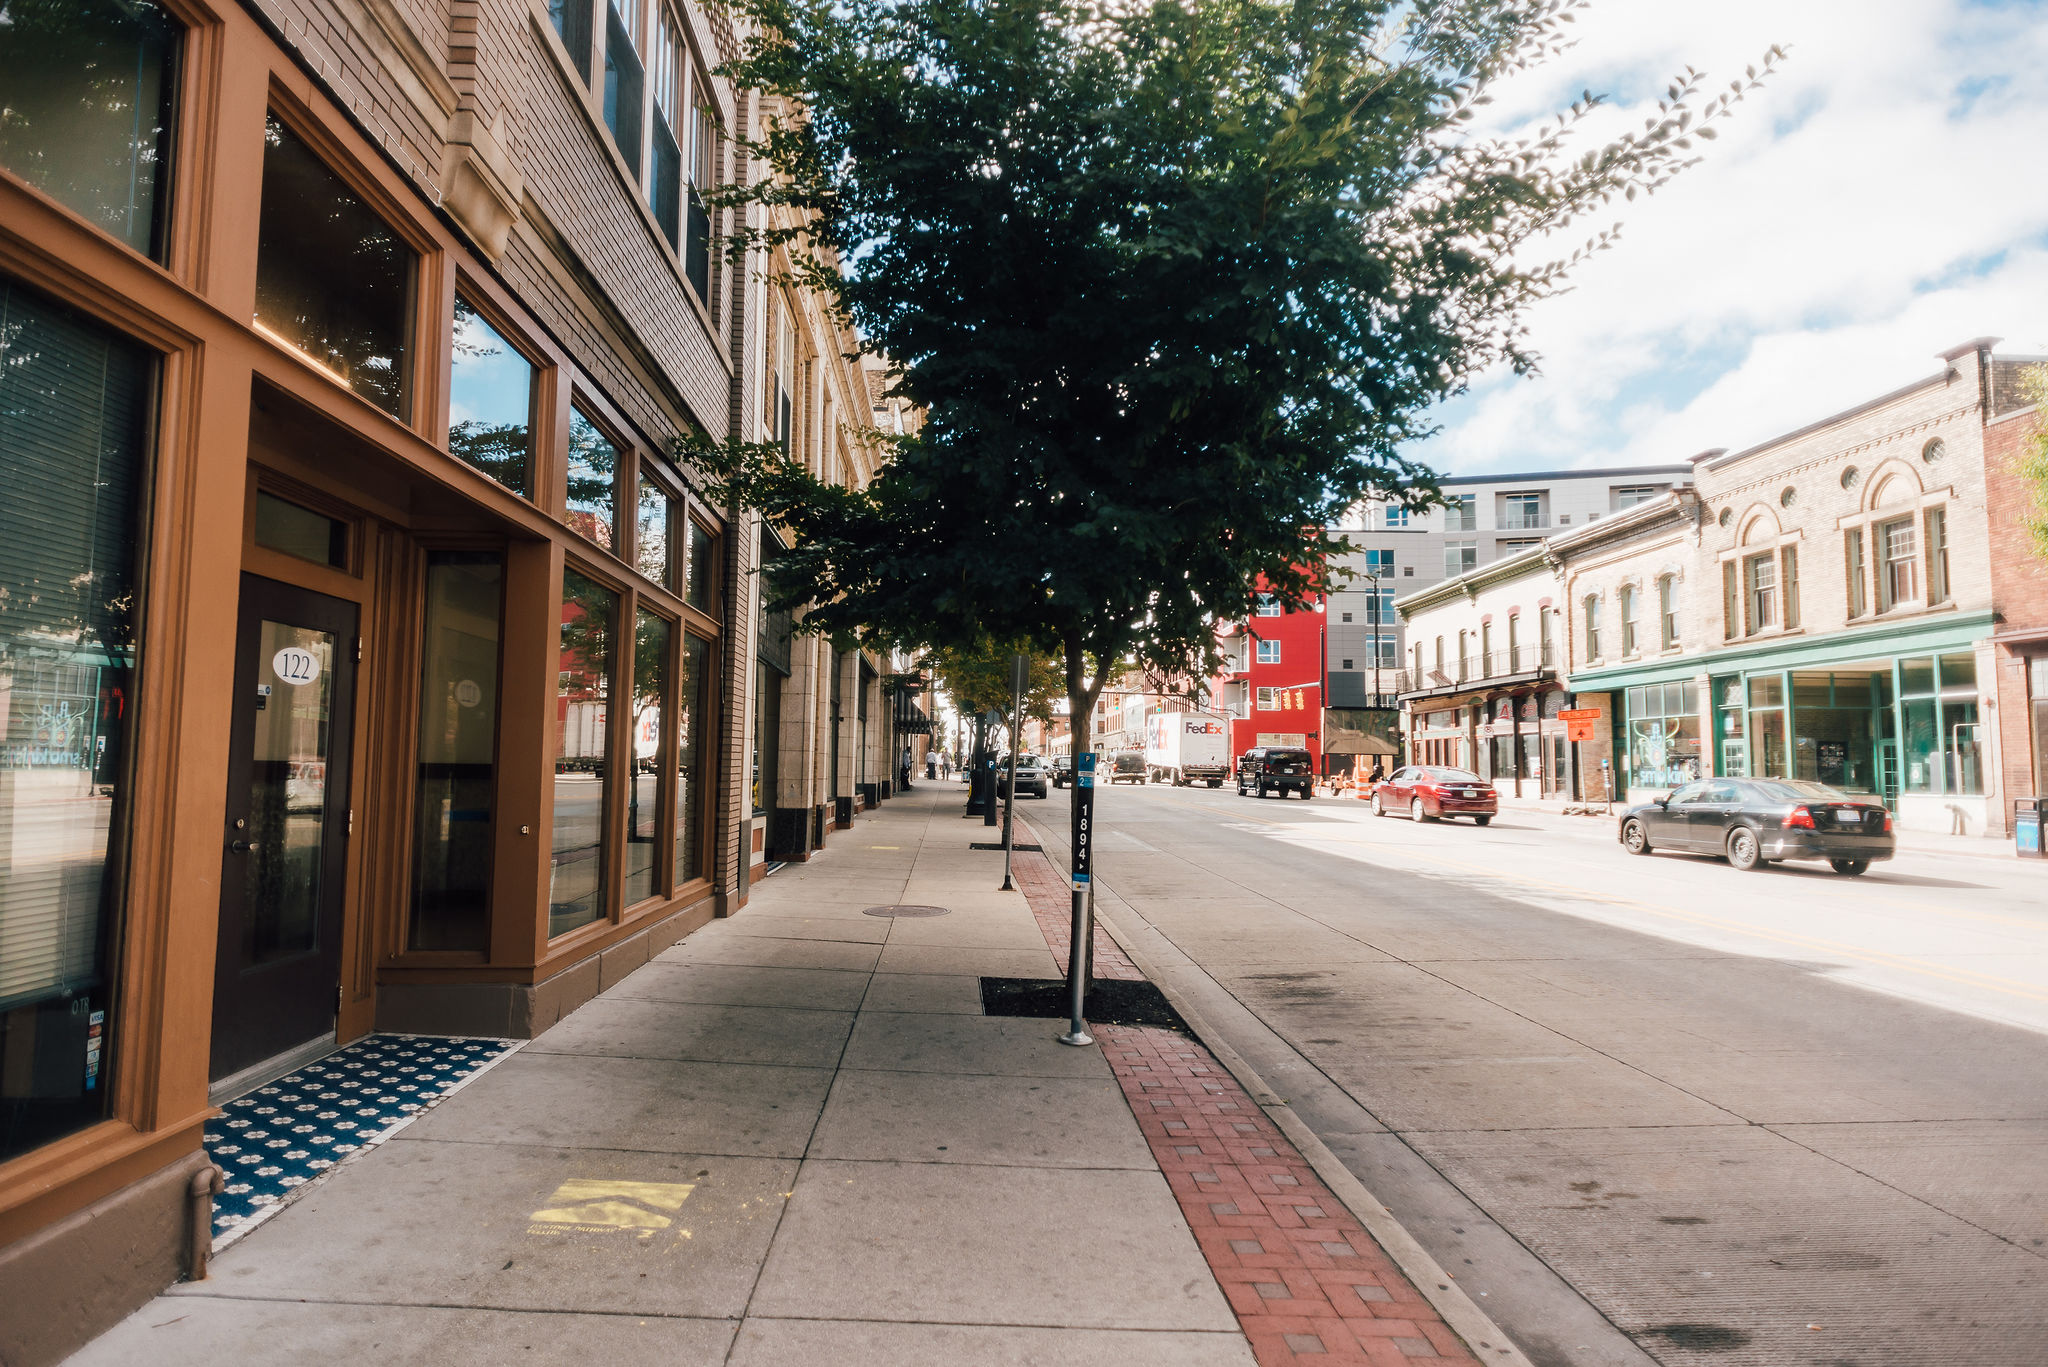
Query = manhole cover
x=906 y=911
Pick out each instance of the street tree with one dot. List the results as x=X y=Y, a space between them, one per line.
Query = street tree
x=1174 y=283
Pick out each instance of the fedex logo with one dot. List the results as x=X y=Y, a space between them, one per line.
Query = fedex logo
x=1204 y=728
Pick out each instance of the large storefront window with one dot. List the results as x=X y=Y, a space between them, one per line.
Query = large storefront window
x=1837 y=721
x=332 y=279
x=1663 y=735
x=693 y=757
x=457 y=779
x=1729 y=716
x=1767 y=756
x=86 y=91
x=490 y=401
x=651 y=639
x=583 y=753
x=74 y=412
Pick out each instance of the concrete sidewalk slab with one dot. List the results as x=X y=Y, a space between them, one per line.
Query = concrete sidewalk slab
x=931 y=992
x=792 y=1037
x=988 y=1245
x=824 y=989
x=995 y=1046
x=760 y=951
x=206 y=1332
x=961 y=1118
x=847 y=1343
x=987 y=963
x=454 y=1224
x=655 y=1105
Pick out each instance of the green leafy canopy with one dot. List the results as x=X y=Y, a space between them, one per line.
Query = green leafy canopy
x=1174 y=284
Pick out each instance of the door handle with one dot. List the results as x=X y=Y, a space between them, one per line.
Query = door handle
x=242 y=846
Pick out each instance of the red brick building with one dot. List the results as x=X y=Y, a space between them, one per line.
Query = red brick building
x=1273 y=679
x=2020 y=582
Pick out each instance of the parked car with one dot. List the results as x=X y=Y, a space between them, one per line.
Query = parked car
x=1265 y=767
x=1031 y=776
x=1432 y=792
x=1756 y=821
x=1062 y=771
x=1128 y=767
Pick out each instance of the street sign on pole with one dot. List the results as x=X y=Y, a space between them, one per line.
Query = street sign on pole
x=1577 y=729
x=1082 y=930
x=1579 y=714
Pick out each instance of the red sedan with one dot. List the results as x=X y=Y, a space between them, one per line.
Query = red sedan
x=1430 y=792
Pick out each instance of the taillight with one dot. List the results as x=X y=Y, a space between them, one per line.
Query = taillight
x=1798 y=819
x=1887 y=823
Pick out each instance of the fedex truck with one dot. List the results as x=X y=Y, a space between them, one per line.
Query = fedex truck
x=1187 y=747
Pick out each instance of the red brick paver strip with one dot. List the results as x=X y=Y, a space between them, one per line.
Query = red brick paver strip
x=1308 y=1283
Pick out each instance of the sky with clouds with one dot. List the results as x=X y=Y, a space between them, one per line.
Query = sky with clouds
x=1884 y=197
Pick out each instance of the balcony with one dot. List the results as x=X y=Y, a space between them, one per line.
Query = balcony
x=1519 y=662
x=1523 y=522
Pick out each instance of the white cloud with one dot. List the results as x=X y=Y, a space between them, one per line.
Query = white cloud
x=1881 y=199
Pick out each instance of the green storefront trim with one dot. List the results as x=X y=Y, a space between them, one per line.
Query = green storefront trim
x=1946 y=632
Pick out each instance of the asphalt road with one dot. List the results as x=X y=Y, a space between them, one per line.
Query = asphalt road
x=1645 y=1109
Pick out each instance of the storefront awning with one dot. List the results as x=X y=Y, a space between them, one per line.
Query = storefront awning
x=914 y=722
x=1357 y=743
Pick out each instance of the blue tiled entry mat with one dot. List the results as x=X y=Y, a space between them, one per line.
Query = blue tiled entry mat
x=278 y=1138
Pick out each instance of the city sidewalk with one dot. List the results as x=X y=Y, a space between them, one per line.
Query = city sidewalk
x=795 y=1138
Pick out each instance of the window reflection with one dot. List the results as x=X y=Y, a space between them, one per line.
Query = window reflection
x=643 y=797
x=593 y=473
x=490 y=400
x=650 y=542
x=576 y=881
x=693 y=698
x=332 y=279
x=85 y=108
x=702 y=547
x=74 y=411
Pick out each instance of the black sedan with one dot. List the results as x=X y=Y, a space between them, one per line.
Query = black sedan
x=1758 y=821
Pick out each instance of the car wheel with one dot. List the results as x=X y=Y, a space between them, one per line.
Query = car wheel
x=1634 y=838
x=1262 y=792
x=1481 y=820
x=1306 y=794
x=1743 y=850
x=1379 y=806
x=1850 y=867
x=1415 y=812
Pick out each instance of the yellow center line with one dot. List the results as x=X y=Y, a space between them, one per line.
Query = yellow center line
x=1875 y=958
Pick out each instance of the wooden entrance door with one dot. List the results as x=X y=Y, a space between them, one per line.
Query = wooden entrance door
x=284 y=854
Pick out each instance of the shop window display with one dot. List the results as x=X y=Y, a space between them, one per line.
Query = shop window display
x=1663 y=735
x=456 y=781
x=651 y=639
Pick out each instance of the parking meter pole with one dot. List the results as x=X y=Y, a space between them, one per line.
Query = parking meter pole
x=988 y=811
x=1082 y=930
x=1018 y=664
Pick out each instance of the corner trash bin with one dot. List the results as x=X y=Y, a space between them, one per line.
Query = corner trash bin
x=2027 y=813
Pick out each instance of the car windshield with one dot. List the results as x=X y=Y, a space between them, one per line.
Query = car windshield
x=1128 y=762
x=1453 y=776
x=1797 y=790
x=1286 y=756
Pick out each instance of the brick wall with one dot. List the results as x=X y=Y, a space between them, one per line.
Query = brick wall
x=2020 y=585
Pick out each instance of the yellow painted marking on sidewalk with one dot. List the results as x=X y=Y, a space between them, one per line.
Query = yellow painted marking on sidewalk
x=1961 y=977
x=609 y=1205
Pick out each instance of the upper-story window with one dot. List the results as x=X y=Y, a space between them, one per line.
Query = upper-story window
x=490 y=400
x=1269 y=700
x=1628 y=619
x=1397 y=516
x=1379 y=563
x=332 y=279
x=1667 y=611
x=1760 y=585
x=1268 y=606
x=1460 y=556
x=1269 y=652
x=1521 y=512
x=654 y=100
x=1592 y=614
x=1937 y=555
x=1898 y=563
x=1629 y=495
x=1462 y=514
x=86 y=96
